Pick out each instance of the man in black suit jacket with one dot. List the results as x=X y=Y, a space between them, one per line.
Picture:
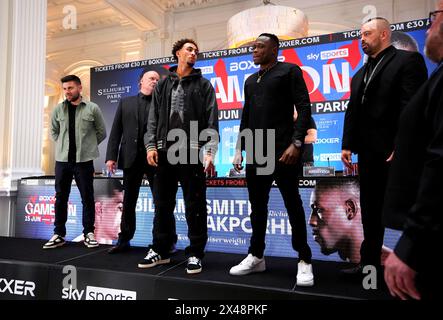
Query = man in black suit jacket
x=379 y=92
x=126 y=146
x=414 y=190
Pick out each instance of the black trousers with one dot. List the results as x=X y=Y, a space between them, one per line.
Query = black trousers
x=83 y=174
x=132 y=179
x=373 y=174
x=428 y=281
x=193 y=182
x=259 y=186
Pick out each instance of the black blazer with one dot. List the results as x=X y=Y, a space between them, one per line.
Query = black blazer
x=123 y=140
x=371 y=127
x=414 y=192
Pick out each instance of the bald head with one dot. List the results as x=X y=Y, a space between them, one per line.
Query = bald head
x=380 y=23
x=375 y=36
x=148 y=80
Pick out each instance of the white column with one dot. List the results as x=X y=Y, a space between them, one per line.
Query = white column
x=153 y=44
x=22 y=85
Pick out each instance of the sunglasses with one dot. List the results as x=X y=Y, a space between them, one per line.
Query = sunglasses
x=433 y=15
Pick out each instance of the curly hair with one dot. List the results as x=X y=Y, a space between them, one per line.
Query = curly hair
x=180 y=43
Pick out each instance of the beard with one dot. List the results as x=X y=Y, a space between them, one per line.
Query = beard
x=74 y=97
x=368 y=50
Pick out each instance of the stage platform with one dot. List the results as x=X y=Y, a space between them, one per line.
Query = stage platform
x=29 y=272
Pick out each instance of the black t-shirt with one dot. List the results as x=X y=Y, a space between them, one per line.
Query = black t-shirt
x=269 y=104
x=372 y=62
x=72 y=147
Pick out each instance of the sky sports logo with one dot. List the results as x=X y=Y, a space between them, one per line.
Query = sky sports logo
x=98 y=293
x=334 y=54
x=207 y=70
x=330 y=157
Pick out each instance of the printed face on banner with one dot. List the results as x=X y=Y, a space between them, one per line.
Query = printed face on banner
x=335 y=220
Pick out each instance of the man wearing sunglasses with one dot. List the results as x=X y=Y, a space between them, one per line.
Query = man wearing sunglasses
x=414 y=190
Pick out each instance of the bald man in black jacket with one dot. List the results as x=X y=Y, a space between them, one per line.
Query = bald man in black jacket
x=380 y=90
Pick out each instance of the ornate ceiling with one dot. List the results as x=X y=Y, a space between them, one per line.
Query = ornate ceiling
x=111 y=31
x=145 y=15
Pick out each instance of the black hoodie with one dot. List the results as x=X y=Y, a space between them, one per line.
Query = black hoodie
x=200 y=105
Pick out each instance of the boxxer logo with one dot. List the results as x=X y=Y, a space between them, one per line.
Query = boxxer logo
x=17 y=287
x=242 y=65
x=327 y=140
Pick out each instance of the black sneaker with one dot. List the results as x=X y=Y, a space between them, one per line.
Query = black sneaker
x=173 y=249
x=194 y=265
x=54 y=242
x=356 y=270
x=152 y=259
x=90 y=240
x=120 y=247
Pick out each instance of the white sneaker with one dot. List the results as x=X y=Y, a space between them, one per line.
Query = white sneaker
x=249 y=265
x=305 y=277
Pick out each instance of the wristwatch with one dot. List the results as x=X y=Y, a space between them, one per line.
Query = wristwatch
x=297 y=143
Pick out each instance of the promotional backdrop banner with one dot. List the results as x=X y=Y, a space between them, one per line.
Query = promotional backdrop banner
x=328 y=62
x=229 y=223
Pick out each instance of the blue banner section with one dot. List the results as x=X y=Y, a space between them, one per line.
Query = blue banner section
x=328 y=62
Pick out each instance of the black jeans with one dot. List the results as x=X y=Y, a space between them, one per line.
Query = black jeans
x=259 y=186
x=373 y=174
x=193 y=182
x=132 y=179
x=83 y=174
